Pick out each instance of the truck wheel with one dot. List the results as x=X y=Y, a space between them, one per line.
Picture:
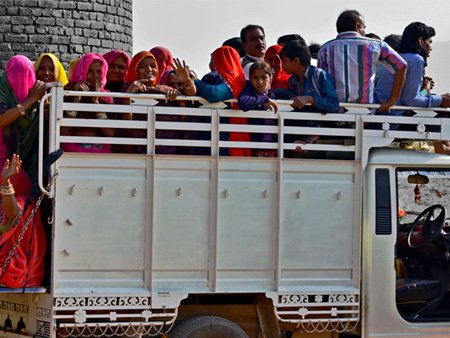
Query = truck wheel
x=207 y=327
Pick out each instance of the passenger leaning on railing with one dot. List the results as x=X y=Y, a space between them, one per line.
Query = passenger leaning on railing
x=49 y=69
x=118 y=63
x=415 y=48
x=312 y=90
x=19 y=95
x=226 y=61
x=142 y=78
x=164 y=59
x=257 y=95
x=89 y=74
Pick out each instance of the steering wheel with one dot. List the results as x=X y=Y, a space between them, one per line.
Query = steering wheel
x=431 y=226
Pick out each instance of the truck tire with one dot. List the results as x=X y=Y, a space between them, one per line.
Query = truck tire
x=207 y=327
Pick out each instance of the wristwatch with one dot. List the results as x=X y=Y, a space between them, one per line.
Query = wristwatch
x=21 y=109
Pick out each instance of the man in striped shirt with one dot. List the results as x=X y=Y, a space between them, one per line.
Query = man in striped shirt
x=352 y=60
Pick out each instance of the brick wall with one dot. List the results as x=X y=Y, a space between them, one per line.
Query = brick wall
x=67 y=28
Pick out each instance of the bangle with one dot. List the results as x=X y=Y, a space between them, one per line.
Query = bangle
x=72 y=113
x=7 y=190
x=101 y=115
x=20 y=109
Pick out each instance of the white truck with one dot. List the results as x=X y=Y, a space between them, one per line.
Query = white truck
x=306 y=244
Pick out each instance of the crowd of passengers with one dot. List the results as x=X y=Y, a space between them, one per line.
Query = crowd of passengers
x=354 y=67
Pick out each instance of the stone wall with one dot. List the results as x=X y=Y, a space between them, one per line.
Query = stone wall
x=65 y=27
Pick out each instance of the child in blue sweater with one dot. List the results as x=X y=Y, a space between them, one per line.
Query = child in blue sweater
x=257 y=95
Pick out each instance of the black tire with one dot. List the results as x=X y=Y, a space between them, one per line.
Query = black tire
x=207 y=327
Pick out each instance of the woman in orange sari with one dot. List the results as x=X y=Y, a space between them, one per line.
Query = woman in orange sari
x=227 y=62
x=142 y=77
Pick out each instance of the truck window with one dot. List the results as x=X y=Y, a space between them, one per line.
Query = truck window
x=423 y=245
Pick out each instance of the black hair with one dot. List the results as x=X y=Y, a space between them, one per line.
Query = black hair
x=348 y=20
x=260 y=65
x=414 y=31
x=393 y=40
x=284 y=39
x=314 y=49
x=296 y=49
x=235 y=43
x=373 y=36
x=248 y=28
x=410 y=38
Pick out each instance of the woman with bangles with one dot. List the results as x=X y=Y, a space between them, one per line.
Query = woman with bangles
x=22 y=235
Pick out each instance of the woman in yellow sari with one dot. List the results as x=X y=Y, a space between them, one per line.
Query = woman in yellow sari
x=49 y=69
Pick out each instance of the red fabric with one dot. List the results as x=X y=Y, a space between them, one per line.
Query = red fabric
x=280 y=78
x=26 y=267
x=239 y=137
x=228 y=64
x=164 y=59
x=132 y=69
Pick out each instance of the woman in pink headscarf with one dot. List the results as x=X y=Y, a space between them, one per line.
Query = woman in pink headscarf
x=164 y=59
x=89 y=74
x=19 y=95
x=118 y=63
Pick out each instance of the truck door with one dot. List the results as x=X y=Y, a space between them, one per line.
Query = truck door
x=406 y=249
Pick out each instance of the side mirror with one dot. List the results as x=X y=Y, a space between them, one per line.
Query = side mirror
x=418 y=179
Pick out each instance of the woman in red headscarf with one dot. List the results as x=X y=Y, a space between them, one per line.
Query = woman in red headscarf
x=164 y=59
x=89 y=74
x=22 y=235
x=280 y=77
x=142 y=78
x=143 y=74
x=226 y=61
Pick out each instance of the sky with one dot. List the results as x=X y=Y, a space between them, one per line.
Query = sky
x=192 y=29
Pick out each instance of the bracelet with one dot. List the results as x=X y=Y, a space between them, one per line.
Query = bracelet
x=101 y=115
x=21 y=109
x=7 y=190
x=72 y=113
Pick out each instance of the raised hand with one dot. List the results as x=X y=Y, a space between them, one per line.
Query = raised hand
x=38 y=90
x=181 y=69
x=82 y=86
x=11 y=167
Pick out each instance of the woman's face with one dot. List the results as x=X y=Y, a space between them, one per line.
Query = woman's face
x=274 y=62
x=117 y=70
x=94 y=74
x=46 y=70
x=147 y=70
